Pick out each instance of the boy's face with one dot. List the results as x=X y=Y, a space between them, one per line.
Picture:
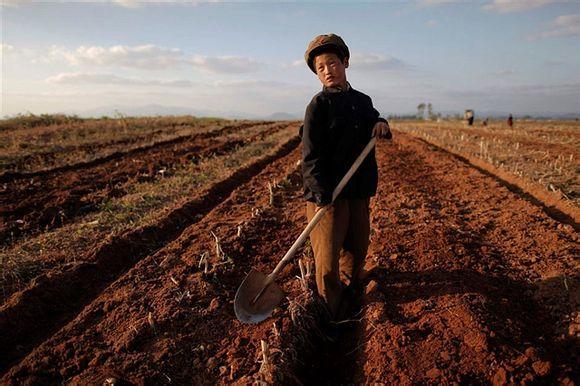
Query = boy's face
x=330 y=70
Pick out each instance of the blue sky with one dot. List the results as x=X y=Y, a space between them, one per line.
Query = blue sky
x=246 y=58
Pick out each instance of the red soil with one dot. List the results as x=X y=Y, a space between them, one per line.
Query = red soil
x=473 y=284
x=470 y=279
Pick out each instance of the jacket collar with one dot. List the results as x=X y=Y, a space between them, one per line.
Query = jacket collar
x=336 y=89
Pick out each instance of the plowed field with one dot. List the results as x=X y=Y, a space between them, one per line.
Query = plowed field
x=46 y=199
x=470 y=280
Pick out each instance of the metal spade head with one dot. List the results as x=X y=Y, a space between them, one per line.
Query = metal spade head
x=248 y=311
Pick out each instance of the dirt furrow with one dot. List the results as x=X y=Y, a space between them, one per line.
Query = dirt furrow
x=50 y=201
x=462 y=260
x=550 y=202
x=55 y=298
x=18 y=166
x=21 y=165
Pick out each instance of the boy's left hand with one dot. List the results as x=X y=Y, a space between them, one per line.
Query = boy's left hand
x=382 y=130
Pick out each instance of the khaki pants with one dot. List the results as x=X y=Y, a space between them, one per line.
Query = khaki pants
x=339 y=242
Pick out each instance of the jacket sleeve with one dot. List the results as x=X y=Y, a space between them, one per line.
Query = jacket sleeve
x=315 y=165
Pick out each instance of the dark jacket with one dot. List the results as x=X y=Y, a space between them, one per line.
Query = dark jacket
x=337 y=127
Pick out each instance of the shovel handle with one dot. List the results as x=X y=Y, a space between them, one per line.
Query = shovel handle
x=320 y=213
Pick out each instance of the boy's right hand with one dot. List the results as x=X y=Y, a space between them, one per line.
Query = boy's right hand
x=382 y=130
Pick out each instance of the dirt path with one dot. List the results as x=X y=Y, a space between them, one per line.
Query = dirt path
x=473 y=284
x=48 y=200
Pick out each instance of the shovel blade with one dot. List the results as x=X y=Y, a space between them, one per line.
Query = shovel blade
x=249 y=312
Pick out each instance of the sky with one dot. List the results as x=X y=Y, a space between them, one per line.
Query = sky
x=246 y=59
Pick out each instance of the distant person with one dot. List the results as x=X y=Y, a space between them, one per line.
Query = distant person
x=469 y=117
x=338 y=124
x=510 y=121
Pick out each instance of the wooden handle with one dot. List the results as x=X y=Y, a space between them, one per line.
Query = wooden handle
x=320 y=213
x=353 y=168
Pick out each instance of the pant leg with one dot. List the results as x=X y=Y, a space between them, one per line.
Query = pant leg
x=326 y=239
x=356 y=242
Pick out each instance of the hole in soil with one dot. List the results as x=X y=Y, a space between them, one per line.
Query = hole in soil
x=333 y=362
x=334 y=358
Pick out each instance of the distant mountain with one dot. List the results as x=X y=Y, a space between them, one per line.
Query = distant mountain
x=282 y=117
x=155 y=110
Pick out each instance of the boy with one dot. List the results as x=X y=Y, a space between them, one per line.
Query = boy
x=338 y=123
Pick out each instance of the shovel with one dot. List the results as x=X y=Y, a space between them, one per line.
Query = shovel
x=259 y=294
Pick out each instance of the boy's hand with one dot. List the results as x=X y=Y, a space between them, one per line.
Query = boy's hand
x=382 y=130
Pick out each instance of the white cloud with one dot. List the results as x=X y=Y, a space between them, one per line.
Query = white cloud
x=365 y=61
x=564 y=25
x=79 y=78
x=298 y=63
x=17 y=3
x=127 y=3
x=376 y=62
x=225 y=64
x=110 y=79
x=506 y=6
x=11 y=52
x=148 y=56
x=6 y=49
x=13 y=3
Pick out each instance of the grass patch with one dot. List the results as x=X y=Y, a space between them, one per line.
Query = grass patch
x=546 y=153
x=25 y=121
x=143 y=204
